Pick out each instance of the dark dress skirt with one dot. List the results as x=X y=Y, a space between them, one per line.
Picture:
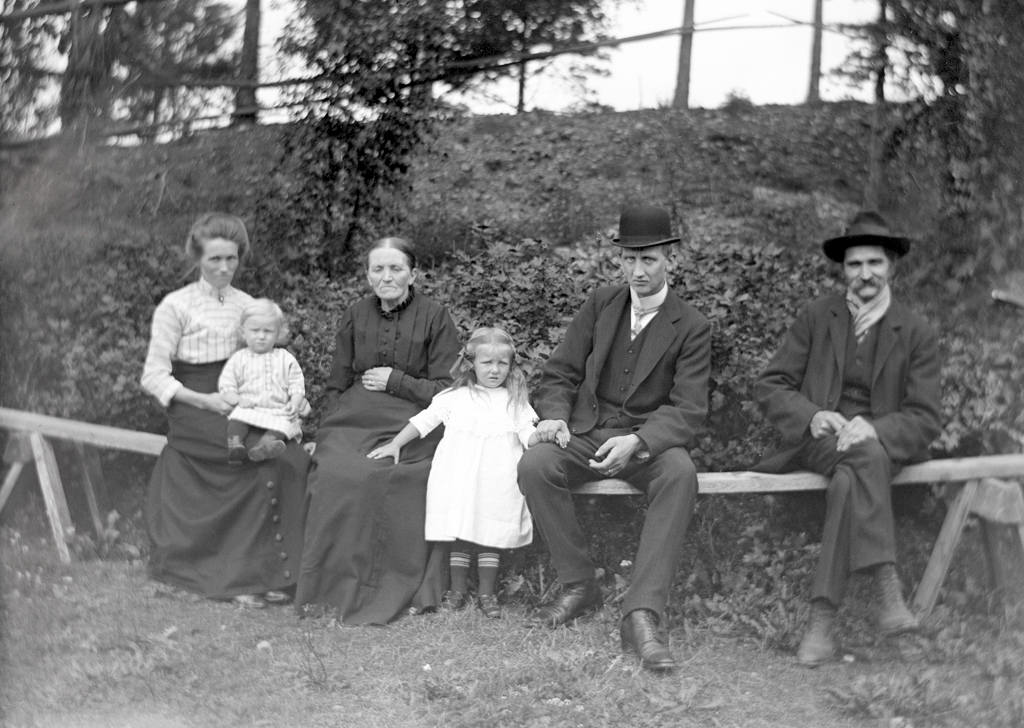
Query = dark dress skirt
x=217 y=529
x=365 y=558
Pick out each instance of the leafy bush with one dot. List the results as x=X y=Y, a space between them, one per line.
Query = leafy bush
x=737 y=101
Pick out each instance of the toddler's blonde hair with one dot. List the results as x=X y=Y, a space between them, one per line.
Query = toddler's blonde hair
x=266 y=308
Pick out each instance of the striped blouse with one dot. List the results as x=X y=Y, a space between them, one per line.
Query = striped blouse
x=196 y=324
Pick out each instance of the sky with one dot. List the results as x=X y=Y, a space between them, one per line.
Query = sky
x=768 y=66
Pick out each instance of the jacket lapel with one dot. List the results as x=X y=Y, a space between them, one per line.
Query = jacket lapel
x=658 y=336
x=838 y=330
x=888 y=334
x=606 y=327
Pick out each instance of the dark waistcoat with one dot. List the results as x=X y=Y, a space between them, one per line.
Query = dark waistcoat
x=855 y=398
x=617 y=376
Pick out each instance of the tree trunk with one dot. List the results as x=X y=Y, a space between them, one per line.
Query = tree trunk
x=813 y=96
x=681 y=100
x=521 y=98
x=248 y=66
x=872 y=191
x=881 y=52
x=84 y=88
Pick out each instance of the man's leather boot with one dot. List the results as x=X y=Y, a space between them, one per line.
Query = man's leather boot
x=817 y=645
x=893 y=615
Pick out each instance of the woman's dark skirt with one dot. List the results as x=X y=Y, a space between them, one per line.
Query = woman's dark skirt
x=366 y=559
x=217 y=529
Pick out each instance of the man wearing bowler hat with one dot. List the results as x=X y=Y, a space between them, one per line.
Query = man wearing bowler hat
x=854 y=391
x=622 y=396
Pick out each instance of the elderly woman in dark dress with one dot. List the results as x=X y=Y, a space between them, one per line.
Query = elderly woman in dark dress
x=365 y=558
x=223 y=531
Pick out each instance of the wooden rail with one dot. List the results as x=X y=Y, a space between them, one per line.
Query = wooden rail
x=951 y=470
x=114 y=438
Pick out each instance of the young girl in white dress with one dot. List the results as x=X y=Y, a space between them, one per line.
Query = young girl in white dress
x=265 y=385
x=473 y=497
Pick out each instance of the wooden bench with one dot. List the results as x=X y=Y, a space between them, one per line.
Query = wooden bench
x=980 y=482
x=29 y=443
x=981 y=491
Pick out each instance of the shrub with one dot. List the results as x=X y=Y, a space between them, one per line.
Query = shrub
x=737 y=101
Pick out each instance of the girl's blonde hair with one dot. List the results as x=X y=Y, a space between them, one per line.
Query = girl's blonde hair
x=266 y=308
x=463 y=374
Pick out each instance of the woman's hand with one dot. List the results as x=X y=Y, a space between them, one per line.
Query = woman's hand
x=213 y=401
x=216 y=403
x=387 y=450
x=376 y=379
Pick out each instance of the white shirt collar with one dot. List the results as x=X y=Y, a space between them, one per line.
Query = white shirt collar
x=648 y=303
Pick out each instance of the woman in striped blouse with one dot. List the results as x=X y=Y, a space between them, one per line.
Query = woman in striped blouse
x=223 y=531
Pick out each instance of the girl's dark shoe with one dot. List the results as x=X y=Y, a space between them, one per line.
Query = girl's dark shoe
x=489 y=606
x=453 y=600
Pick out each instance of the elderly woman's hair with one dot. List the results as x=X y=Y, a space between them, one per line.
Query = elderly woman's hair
x=265 y=308
x=212 y=225
x=492 y=337
x=402 y=245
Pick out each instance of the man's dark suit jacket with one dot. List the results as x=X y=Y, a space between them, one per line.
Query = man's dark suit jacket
x=669 y=393
x=806 y=375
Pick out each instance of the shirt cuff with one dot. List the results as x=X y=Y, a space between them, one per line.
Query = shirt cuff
x=643 y=453
x=167 y=393
x=394 y=381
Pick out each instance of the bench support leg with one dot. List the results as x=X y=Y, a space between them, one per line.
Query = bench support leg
x=53 y=494
x=92 y=476
x=942 y=553
x=9 y=481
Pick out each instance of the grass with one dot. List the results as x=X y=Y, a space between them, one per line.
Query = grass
x=95 y=643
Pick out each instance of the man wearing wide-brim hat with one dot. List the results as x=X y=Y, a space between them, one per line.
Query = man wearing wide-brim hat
x=854 y=391
x=622 y=396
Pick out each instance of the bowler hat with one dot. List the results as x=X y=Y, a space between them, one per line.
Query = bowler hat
x=866 y=228
x=643 y=226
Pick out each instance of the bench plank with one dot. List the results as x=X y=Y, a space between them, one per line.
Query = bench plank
x=948 y=470
x=116 y=438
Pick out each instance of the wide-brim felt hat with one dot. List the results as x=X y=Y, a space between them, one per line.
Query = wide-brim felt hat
x=642 y=226
x=867 y=228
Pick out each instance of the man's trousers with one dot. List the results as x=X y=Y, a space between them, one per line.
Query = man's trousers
x=547 y=475
x=859 y=531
